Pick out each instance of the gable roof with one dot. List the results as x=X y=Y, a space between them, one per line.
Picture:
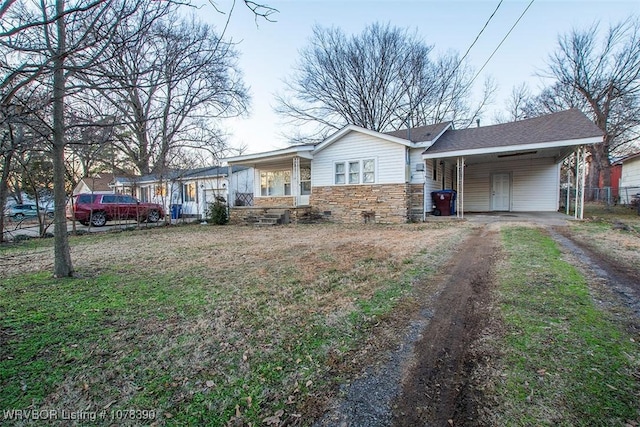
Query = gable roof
x=408 y=137
x=97 y=183
x=565 y=128
x=422 y=133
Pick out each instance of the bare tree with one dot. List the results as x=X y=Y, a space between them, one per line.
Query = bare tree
x=600 y=74
x=517 y=105
x=47 y=42
x=381 y=79
x=168 y=86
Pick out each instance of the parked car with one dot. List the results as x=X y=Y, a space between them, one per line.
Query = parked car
x=27 y=210
x=97 y=209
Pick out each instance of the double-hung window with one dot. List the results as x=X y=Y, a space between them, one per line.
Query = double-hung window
x=368 y=171
x=340 y=174
x=354 y=172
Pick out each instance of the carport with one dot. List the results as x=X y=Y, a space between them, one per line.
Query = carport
x=516 y=167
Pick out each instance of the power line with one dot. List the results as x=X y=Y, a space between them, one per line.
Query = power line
x=480 y=33
x=500 y=44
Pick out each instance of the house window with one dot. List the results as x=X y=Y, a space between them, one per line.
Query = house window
x=368 y=171
x=434 y=168
x=144 y=194
x=358 y=171
x=340 y=174
x=354 y=172
x=275 y=183
x=189 y=192
x=160 y=190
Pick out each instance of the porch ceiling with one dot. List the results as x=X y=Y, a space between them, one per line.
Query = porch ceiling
x=557 y=153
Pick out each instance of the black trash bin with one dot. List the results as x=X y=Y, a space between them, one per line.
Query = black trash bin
x=444 y=202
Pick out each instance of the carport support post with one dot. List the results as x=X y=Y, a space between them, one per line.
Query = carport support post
x=568 y=204
x=460 y=198
x=580 y=182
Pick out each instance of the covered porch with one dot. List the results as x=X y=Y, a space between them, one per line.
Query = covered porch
x=282 y=178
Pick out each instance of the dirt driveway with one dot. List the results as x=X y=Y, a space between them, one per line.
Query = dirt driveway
x=427 y=380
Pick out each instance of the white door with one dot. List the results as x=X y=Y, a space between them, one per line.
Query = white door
x=500 y=192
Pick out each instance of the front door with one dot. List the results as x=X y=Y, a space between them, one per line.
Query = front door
x=501 y=192
x=305 y=185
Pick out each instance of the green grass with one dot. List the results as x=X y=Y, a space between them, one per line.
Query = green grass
x=201 y=344
x=565 y=362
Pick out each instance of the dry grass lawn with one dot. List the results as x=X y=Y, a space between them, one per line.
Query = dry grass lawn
x=204 y=324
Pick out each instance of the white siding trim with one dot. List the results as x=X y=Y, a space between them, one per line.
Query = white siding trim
x=522 y=147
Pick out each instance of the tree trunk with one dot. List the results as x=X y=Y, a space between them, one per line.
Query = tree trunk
x=4 y=186
x=62 y=252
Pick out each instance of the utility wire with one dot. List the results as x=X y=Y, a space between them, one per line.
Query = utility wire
x=503 y=39
x=480 y=33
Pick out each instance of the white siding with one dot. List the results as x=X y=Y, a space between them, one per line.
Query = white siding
x=243 y=182
x=631 y=173
x=629 y=180
x=450 y=176
x=389 y=156
x=534 y=185
x=417 y=177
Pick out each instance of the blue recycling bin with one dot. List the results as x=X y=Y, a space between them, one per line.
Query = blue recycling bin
x=176 y=211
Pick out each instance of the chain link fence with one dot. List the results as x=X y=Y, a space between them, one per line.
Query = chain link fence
x=608 y=196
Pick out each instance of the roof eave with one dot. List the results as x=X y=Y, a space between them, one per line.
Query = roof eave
x=304 y=151
x=491 y=150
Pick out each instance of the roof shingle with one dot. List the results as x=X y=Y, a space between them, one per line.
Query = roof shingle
x=562 y=126
x=420 y=134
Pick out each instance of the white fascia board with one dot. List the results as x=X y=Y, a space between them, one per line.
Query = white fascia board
x=299 y=150
x=353 y=128
x=520 y=147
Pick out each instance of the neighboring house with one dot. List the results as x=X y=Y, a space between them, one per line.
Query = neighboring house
x=105 y=184
x=630 y=178
x=98 y=184
x=358 y=175
x=195 y=189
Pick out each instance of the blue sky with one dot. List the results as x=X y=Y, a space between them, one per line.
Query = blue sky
x=270 y=50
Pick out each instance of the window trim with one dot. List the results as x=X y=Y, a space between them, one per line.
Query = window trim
x=188 y=187
x=346 y=171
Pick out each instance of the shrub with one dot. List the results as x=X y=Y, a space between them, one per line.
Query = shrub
x=217 y=213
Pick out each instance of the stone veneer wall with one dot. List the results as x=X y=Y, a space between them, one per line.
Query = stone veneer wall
x=272 y=202
x=416 y=202
x=387 y=203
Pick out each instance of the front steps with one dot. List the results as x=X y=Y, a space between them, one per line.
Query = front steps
x=274 y=217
